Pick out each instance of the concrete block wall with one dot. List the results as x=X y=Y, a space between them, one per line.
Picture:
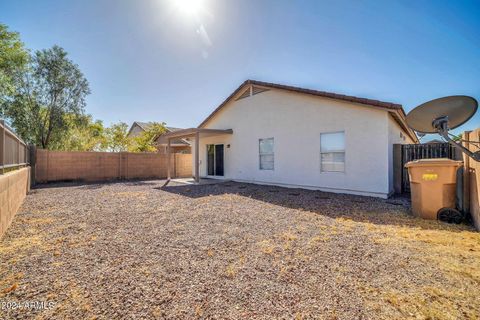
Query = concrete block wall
x=472 y=178
x=13 y=189
x=104 y=166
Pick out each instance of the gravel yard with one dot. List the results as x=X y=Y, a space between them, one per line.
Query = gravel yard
x=132 y=250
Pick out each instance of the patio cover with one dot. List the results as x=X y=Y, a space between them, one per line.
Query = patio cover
x=189 y=133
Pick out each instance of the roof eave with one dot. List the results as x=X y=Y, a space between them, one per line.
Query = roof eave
x=328 y=95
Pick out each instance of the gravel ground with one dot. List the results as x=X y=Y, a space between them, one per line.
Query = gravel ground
x=133 y=250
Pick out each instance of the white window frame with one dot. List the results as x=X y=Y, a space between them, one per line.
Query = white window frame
x=260 y=154
x=336 y=151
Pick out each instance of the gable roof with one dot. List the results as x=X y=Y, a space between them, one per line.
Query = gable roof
x=146 y=125
x=389 y=106
x=143 y=125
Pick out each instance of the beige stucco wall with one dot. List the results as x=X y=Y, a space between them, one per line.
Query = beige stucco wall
x=296 y=122
x=13 y=189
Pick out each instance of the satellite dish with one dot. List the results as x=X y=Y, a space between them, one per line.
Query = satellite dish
x=443 y=114
x=457 y=109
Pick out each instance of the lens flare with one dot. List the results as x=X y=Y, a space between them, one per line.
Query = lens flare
x=189 y=7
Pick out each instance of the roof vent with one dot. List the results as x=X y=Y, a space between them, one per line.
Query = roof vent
x=257 y=90
x=245 y=94
x=250 y=91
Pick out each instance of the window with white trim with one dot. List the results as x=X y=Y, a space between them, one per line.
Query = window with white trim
x=265 y=147
x=332 y=152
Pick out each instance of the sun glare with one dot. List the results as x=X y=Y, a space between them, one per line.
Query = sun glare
x=189 y=7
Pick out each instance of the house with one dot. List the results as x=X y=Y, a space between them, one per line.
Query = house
x=177 y=146
x=137 y=128
x=275 y=134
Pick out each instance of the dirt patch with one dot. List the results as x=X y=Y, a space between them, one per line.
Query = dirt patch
x=125 y=250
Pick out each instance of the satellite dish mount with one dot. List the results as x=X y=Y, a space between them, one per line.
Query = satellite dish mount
x=443 y=114
x=441 y=124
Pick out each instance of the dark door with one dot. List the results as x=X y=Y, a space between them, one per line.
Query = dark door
x=210 y=159
x=219 y=159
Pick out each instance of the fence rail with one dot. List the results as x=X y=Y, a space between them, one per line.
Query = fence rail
x=411 y=152
x=13 y=150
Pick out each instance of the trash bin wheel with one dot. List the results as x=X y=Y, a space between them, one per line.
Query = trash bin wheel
x=450 y=215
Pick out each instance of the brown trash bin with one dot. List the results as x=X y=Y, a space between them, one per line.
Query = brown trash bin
x=432 y=185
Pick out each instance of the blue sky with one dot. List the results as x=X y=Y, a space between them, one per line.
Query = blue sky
x=150 y=60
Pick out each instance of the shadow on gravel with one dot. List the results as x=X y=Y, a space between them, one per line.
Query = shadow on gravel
x=394 y=211
x=97 y=185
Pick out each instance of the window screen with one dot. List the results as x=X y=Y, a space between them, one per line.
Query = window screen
x=266 y=154
x=332 y=152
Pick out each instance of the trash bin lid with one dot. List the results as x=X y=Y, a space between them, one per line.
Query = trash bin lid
x=443 y=162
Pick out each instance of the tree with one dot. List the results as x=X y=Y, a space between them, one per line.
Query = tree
x=145 y=142
x=116 y=139
x=13 y=61
x=51 y=97
x=84 y=134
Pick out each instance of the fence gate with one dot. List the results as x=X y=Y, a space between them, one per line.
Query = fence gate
x=410 y=152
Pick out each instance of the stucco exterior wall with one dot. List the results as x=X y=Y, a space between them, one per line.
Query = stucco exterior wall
x=296 y=121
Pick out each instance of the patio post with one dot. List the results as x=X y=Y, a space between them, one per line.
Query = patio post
x=168 y=160
x=197 y=145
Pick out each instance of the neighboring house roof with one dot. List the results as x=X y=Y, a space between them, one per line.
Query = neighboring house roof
x=172 y=129
x=142 y=125
x=146 y=125
x=396 y=109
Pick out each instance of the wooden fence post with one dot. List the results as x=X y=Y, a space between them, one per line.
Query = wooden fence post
x=397 y=168
x=18 y=152
x=32 y=154
x=466 y=173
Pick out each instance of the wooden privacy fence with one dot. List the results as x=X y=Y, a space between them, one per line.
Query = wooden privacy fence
x=104 y=166
x=403 y=153
x=13 y=151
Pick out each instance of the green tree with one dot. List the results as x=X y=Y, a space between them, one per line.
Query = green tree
x=13 y=61
x=84 y=134
x=116 y=139
x=145 y=142
x=50 y=95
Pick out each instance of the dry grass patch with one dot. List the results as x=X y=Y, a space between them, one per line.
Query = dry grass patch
x=10 y=283
x=266 y=246
x=432 y=303
x=454 y=254
x=21 y=244
x=234 y=267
